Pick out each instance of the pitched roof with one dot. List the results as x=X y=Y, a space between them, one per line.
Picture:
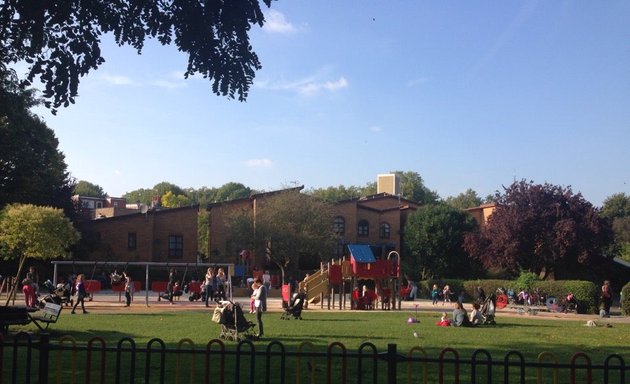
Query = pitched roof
x=362 y=253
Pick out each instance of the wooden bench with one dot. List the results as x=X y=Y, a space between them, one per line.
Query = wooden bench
x=13 y=316
x=47 y=315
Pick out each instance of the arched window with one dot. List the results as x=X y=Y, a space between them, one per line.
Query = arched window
x=363 y=229
x=339 y=226
x=384 y=231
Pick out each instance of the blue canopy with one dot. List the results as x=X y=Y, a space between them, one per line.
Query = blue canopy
x=361 y=253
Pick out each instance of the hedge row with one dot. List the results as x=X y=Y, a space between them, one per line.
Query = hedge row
x=625 y=299
x=586 y=292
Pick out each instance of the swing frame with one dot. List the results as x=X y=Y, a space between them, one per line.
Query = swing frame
x=147 y=265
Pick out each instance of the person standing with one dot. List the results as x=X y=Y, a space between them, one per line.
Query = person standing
x=170 y=287
x=79 y=289
x=221 y=281
x=209 y=283
x=267 y=280
x=606 y=298
x=128 y=288
x=260 y=303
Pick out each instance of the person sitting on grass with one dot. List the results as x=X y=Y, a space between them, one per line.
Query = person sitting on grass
x=460 y=317
x=444 y=321
x=475 y=315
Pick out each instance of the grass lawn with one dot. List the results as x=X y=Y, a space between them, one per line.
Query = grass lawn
x=525 y=334
x=528 y=335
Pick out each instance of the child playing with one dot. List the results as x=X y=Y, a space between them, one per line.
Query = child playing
x=252 y=300
x=444 y=321
x=435 y=294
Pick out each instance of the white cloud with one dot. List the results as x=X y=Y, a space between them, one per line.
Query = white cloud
x=276 y=22
x=417 y=82
x=117 y=79
x=259 y=163
x=375 y=129
x=306 y=87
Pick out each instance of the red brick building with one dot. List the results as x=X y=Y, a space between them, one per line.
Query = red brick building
x=376 y=220
x=159 y=235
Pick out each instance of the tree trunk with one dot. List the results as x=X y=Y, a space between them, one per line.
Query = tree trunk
x=13 y=289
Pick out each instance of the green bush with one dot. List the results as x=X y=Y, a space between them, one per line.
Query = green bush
x=625 y=300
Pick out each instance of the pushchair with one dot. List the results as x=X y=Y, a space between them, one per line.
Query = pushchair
x=56 y=295
x=234 y=325
x=488 y=309
x=296 y=304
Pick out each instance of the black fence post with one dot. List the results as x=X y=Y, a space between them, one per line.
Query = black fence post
x=44 y=357
x=392 y=361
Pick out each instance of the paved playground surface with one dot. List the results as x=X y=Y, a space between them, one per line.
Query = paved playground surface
x=110 y=302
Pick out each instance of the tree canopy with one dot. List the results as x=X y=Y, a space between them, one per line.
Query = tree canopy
x=464 y=200
x=37 y=232
x=32 y=169
x=85 y=188
x=411 y=185
x=292 y=229
x=617 y=209
x=60 y=41
x=541 y=229
x=434 y=236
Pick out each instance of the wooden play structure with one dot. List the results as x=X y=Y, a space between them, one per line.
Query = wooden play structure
x=337 y=282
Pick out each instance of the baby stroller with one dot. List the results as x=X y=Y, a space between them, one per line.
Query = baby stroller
x=56 y=295
x=234 y=326
x=295 y=307
x=488 y=309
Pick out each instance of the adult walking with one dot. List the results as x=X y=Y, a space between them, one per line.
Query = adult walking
x=79 y=289
x=260 y=303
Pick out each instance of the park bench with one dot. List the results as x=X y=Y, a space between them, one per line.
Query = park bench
x=13 y=316
x=47 y=315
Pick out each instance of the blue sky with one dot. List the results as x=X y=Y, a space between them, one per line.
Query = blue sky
x=468 y=94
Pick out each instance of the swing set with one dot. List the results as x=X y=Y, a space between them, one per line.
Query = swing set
x=94 y=286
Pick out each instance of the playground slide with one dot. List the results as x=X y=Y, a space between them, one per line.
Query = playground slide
x=315 y=285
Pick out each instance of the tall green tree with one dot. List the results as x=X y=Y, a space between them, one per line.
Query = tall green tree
x=32 y=169
x=231 y=191
x=413 y=188
x=617 y=208
x=85 y=188
x=542 y=229
x=29 y=231
x=290 y=228
x=61 y=41
x=434 y=236
x=464 y=200
x=171 y=200
x=336 y=194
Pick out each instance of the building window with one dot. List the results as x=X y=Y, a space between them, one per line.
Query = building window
x=363 y=229
x=384 y=231
x=132 y=240
x=339 y=226
x=175 y=247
